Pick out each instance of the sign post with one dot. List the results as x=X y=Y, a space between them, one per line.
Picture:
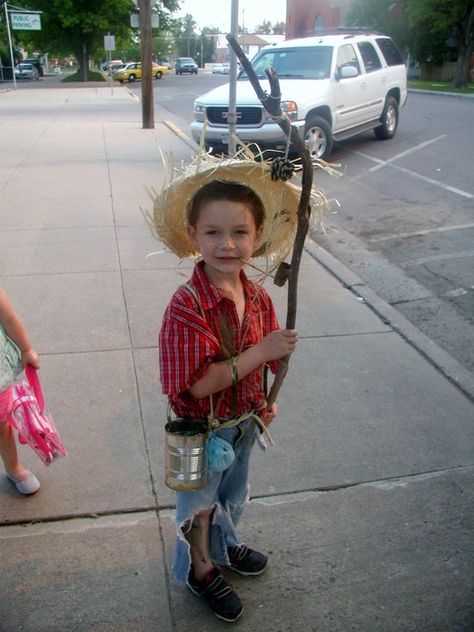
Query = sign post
x=22 y=20
x=10 y=44
x=109 y=45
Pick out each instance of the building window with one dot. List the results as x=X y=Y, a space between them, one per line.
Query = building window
x=318 y=26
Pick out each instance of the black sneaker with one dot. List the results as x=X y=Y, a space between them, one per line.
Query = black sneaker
x=246 y=561
x=221 y=598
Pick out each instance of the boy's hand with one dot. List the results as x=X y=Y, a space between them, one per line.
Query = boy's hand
x=278 y=344
x=269 y=414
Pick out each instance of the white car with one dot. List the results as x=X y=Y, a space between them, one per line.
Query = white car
x=26 y=71
x=333 y=87
x=222 y=69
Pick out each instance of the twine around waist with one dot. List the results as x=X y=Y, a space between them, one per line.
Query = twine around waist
x=219 y=423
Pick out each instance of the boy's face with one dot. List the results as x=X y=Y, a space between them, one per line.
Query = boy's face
x=225 y=233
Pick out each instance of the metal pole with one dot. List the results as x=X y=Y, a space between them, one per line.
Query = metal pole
x=148 y=116
x=232 y=117
x=10 y=44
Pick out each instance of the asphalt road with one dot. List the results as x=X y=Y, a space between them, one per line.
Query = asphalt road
x=404 y=218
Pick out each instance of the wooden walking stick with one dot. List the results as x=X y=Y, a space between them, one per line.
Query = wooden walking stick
x=272 y=103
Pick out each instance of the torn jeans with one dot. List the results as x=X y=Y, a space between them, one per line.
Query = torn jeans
x=226 y=493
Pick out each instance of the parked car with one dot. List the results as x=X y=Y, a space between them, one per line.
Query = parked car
x=133 y=71
x=37 y=64
x=26 y=71
x=333 y=87
x=112 y=65
x=222 y=69
x=186 y=64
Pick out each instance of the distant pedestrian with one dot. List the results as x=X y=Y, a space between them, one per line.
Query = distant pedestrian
x=24 y=481
x=219 y=332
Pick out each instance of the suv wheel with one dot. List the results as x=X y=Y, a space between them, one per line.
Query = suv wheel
x=158 y=74
x=318 y=137
x=389 y=120
x=132 y=78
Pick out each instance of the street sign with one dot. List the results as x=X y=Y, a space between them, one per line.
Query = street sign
x=135 y=20
x=26 y=21
x=109 y=42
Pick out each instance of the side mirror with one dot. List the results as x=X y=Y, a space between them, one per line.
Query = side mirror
x=347 y=72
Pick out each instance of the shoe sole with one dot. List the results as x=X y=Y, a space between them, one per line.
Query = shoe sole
x=246 y=573
x=219 y=616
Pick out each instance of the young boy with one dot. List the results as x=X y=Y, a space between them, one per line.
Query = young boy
x=218 y=332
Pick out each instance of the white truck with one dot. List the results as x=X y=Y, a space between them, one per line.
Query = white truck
x=333 y=87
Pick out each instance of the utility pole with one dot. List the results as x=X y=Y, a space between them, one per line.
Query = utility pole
x=232 y=118
x=148 y=114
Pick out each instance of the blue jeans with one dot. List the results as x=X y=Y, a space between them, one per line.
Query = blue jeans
x=226 y=493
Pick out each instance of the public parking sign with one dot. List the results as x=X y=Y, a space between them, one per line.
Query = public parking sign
x=26 y=21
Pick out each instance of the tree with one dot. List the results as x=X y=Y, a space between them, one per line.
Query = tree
x=279 y=28
x=385 y=16
x=265 y=28
x=78 y=26
x=437 y=21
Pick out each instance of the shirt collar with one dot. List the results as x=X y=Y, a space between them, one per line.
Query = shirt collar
x=210 y=295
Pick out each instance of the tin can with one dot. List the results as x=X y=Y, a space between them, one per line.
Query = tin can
x=186 y=454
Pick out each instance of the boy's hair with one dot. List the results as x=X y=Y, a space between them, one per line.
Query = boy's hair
x=229 y=191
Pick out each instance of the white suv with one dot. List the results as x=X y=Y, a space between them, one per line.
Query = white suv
x=333 y=87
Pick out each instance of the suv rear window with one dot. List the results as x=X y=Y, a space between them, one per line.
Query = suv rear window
x=370 y=57
x=294 y=63
x=391 y=53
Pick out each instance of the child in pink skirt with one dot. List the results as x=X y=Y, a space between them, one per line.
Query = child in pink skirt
x=24 y=481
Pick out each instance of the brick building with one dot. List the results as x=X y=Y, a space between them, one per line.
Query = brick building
x=310 y=17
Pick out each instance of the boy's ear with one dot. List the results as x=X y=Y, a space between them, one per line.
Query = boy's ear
x=259 y=236
x=192 y=234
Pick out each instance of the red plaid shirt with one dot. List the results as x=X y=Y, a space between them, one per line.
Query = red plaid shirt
x=189 y=343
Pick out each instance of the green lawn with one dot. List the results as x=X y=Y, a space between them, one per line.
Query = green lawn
x=439 y=86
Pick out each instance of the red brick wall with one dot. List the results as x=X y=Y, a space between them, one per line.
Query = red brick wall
x=301 y=15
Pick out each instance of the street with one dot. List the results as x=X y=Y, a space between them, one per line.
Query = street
x=403 y=221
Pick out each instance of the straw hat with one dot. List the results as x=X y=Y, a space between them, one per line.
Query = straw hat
x=280 y=200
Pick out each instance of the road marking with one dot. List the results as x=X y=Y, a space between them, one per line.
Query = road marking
x=413 y=174
x=174 y=128
x=384 y=163
x=455 y=255
x=420 y=233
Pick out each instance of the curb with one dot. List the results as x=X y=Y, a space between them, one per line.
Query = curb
x=430 y=350
x=441 y=93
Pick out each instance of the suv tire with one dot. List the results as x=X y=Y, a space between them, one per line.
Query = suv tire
x=389 y=120
x=158 y=74
x=318 y=137
x=132 y=78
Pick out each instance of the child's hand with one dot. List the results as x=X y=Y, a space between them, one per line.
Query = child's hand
x=30 y=357
x=278 y=344
x=269 y=414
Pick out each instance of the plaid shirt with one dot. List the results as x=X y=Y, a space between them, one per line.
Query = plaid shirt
x=193 y=336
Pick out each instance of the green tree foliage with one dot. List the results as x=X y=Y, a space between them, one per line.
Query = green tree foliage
x=78 y=27
x=437 y=23
x=265 y=28
x=385 y=16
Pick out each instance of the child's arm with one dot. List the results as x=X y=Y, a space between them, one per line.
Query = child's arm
x=16 y=331
x=220 y=375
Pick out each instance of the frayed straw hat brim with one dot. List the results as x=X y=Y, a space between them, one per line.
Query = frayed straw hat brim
x=280 y=200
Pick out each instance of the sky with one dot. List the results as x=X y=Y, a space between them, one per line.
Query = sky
x=218 y=12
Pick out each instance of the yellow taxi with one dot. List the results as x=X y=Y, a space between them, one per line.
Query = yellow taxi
x=133 y=71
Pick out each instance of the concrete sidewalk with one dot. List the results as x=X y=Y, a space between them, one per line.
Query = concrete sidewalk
x=365 y=505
